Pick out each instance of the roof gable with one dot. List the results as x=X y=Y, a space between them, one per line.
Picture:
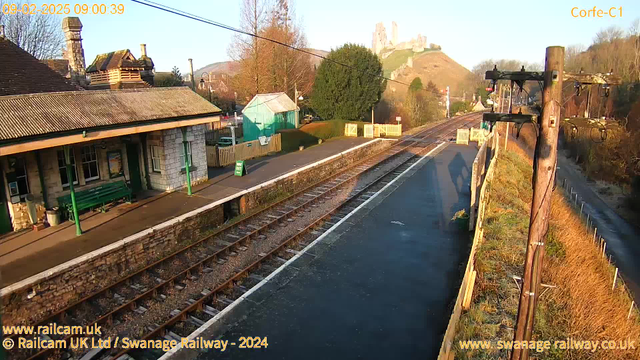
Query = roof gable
x=115 y=60
x=21 y=73
x=275 y=102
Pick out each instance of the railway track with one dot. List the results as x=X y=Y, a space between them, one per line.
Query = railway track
x=167 y=286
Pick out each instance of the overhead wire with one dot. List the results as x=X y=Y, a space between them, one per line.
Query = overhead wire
x=185 y=14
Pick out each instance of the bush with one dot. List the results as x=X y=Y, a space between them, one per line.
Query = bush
x=459 y=107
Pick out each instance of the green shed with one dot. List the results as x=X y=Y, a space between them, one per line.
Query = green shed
x=267 y=113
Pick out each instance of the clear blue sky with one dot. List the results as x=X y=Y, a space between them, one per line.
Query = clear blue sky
x=468 y=31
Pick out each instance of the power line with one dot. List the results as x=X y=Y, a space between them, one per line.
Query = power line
x=231 y=28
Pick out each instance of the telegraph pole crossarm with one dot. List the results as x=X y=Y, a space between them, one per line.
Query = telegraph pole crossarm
x=590 y=79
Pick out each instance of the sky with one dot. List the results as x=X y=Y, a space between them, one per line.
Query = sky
x=468 y=31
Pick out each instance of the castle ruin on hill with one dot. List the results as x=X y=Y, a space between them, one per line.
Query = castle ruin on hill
x=381 y=42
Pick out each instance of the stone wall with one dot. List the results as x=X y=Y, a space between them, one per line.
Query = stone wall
x=174 y=171
x=58 y=290
x=306 y=177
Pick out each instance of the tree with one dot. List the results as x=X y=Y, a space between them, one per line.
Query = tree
x=421 y=105
x=416 y=84
x=348 y=92
x=264 y=65
x=172 y=79
x=246 y=49
x=432 y=88
x=38 y=34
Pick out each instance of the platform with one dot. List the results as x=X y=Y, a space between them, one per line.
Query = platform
x=28 y=253
x=378 y=286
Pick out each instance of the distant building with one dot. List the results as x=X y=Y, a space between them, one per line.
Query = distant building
x=121 y=70
x=265 y=114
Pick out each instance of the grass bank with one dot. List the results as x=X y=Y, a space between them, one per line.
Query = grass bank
x=308 y=135
x=582 y=306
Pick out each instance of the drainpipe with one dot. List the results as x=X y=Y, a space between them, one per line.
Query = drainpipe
x=186 y=159
x=67 y=159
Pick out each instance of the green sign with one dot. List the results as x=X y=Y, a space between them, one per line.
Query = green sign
x=241 y=169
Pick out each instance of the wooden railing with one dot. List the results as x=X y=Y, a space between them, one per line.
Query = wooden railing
x=223 y=156
x=479 y=180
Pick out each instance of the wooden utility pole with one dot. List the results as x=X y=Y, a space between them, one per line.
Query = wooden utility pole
x=545 y=161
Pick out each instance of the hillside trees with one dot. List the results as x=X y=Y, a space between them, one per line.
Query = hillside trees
x=264 y=65
x=421 y=105
x=348 y=92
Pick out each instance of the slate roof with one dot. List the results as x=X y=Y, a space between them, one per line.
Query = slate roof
x=61 y=66
x=26 y=116
x=116 y=60
x=21 y=73
x=276 y=102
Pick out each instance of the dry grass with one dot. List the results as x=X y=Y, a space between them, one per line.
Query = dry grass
x=582 y=306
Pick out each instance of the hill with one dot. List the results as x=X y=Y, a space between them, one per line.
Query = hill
x=429 y=65
x=231 y=67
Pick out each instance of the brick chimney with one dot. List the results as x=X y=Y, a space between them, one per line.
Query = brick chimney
x=74 y=53
x=148 y=73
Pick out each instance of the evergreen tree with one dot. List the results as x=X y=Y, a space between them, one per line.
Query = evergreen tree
x=348 y=92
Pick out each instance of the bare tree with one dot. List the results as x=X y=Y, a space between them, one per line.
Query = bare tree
x=608 y=35
x=38 y=34
x=246 y=49
x=266 y=66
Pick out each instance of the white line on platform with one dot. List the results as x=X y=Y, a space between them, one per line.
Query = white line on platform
x=121 y=243
x=230 y=307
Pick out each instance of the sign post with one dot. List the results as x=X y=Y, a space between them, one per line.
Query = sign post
x=241 y=169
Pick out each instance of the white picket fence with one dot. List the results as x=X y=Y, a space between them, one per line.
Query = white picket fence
x=382 y=130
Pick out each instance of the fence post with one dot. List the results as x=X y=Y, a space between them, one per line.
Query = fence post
x=474 y=185
x=630 y=309
x=615 y=277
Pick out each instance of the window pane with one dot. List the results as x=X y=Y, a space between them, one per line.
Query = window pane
x=63 y=168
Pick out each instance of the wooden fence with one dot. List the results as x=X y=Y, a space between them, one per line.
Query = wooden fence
x=380 y=130
x=480 y=198
x=350 y=129
x=223 y=156
x=215 y=131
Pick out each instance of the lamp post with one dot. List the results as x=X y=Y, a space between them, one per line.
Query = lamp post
x=297 y=96
x=203 y=83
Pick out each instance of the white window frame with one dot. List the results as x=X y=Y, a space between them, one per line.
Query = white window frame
x=189 y=152
x=155 y=159
x=64 y=166
x=93 y=155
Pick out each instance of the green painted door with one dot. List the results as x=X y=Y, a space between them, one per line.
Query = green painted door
x=5 y=221
x=134 y=167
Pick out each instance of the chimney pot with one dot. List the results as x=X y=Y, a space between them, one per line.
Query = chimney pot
x=143 y=49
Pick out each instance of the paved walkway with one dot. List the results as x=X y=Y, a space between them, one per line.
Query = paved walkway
x=379 y=286
x=29 y=253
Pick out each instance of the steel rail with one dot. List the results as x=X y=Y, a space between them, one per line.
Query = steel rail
x=131 y=304
x=212 y=295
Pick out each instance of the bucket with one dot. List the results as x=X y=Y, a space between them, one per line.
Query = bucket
x=53 y=217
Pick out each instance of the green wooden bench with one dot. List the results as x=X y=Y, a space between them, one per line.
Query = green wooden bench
x=97 y=196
